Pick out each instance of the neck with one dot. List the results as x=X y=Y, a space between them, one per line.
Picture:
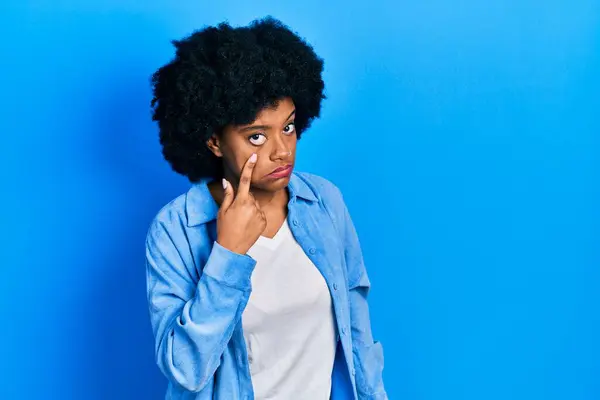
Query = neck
x=266 y=199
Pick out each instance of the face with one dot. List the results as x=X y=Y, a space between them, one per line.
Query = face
x=272 y=136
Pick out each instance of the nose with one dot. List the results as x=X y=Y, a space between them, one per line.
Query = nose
x=280 y=151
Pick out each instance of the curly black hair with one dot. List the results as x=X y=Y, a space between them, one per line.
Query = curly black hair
x=223 y=75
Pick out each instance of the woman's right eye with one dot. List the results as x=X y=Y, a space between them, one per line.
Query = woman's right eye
x=257 y=139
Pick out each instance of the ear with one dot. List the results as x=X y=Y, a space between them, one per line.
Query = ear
x=214 y=145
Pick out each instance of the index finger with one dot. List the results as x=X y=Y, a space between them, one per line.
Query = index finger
x=246 y=176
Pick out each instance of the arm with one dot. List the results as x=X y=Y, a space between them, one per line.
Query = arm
x=368 y=353
x=192 y=321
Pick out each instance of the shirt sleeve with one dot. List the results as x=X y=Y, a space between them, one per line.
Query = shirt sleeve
x=192 y=320
x=367 y=352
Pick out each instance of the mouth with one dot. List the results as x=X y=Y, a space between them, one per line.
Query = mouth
x=281 y=172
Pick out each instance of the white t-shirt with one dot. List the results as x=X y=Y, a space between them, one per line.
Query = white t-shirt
x=288 y=323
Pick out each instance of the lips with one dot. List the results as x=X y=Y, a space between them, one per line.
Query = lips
x=281 y=168
x=281 y=172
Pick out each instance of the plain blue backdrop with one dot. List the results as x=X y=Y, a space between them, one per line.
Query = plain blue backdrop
x=464 y=135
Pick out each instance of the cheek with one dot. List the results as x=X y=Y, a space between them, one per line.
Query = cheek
x=236 y=157
x=238 y=161
x=234 y=163
x=263 y=166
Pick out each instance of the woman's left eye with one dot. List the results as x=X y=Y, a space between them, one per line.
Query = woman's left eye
x=290 y=128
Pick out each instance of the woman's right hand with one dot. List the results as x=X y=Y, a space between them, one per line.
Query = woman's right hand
x=240 y=220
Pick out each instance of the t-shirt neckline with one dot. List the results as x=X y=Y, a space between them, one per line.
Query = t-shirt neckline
x=275 y=240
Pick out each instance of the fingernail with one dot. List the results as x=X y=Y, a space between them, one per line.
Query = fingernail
x=224 y=184
x=253 y=157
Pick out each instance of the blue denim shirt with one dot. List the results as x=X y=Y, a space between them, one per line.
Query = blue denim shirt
x=197 y=291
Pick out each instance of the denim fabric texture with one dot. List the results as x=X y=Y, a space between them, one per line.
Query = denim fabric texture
x=197 y=291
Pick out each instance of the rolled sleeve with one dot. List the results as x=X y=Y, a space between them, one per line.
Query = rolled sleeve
x=230 y=268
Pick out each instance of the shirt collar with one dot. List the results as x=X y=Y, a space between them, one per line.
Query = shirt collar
x=201 y=208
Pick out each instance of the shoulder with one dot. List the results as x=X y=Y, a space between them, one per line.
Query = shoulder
x=323 y=188
x=328 y=195
x=193 y=208
x=170 y=217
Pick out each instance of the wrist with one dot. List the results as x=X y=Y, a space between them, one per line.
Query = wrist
x=232 y=247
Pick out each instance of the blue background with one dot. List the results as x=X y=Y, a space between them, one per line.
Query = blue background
x=464 y=135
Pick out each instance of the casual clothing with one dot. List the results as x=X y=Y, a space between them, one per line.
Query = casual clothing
x=198 y=291
x=288 y=323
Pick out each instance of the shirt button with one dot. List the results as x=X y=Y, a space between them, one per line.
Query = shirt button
x=312 y=250
x=353 y=371
x=295 y=222
x=335 y=286
x=344 y=330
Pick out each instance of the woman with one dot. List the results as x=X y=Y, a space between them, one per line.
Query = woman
x=255 y=278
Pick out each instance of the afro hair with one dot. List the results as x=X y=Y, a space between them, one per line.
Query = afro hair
x=223 y=75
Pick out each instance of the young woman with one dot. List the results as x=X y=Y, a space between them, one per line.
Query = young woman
x=255 y=277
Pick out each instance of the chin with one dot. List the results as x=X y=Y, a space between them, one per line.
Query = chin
x=273 y=185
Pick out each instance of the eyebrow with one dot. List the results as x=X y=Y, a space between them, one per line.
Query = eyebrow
x=265 y=127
